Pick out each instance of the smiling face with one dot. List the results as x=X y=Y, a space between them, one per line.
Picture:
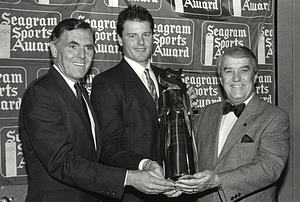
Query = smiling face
x=73 y=53
x=137 y=41
x=237 y=78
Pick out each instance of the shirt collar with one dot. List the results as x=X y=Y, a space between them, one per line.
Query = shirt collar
x=248 y=100
x=139 y=69
x=69 y=81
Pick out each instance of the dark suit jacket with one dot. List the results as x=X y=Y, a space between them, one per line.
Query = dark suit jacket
x=128 y=120
x=58 y=146
x=253 y=155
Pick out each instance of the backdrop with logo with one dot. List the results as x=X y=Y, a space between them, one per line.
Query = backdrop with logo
x=188 y=34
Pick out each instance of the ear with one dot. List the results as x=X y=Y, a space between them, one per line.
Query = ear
x=120 y=40
x=221 y=80
x=53 y=49
x=255 y=78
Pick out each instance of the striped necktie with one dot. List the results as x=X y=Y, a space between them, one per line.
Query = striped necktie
x=151 y=86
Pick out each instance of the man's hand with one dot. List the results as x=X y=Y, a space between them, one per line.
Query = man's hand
x=148 y=182
x=173 y=193
x=158 y=170
x=193 y=95
x=201 y=181
x=154 y=167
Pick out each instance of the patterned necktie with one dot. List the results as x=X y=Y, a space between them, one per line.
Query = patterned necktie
x=80 y=95
x=238 y=109
x=151 y=86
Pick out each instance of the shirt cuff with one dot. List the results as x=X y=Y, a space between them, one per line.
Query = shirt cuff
x=125 y=181
x=141 y=164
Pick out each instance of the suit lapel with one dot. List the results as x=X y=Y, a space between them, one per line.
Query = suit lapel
x=240 y=127
x=139 y=89
x=68 y=95
x=156 y=73
x=64 y=89
x=97 y=127
x=70 y=98
x=215 y=122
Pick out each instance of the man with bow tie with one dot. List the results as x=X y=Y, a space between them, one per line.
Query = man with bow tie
x=243 y=142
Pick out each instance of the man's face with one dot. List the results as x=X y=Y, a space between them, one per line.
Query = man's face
x=74 y=53
x=137 y=41
x=237 y=78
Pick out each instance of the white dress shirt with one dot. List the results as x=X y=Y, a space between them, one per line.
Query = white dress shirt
x=139 y=70
x=228 y=120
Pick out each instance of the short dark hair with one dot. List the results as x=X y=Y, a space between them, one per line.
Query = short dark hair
x=133 y=13
x=238 y=52
x=69 y=25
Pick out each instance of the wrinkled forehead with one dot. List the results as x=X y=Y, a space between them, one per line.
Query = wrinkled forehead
x=77 y=36
x=237 y=62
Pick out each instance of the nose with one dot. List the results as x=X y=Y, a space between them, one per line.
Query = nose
x=236 y=76
x=141 y=40
x=81 y=53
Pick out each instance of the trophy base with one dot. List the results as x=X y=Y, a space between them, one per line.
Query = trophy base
x=182 y=177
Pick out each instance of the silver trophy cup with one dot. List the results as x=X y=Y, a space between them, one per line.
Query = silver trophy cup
x=177 y=138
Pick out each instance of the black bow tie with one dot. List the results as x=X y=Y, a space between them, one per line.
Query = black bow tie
x=238 y=109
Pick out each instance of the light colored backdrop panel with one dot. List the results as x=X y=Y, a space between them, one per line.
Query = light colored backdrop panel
x=288 y=63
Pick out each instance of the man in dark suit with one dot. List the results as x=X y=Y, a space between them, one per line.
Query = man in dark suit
x=59 y=131
x=241 y=153
x=125 y=101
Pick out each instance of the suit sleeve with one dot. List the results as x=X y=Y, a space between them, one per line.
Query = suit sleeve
x=266 y=165
x=110 y=112
x=51 y=132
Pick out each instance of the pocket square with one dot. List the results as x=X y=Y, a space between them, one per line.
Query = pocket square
x=246 y=139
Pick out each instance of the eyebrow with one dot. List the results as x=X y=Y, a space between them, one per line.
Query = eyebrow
x=148 y=32
x=74 y=42
x=245 y=66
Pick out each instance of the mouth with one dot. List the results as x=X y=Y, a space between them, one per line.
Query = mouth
x=140 y=49
x=80 y=64
x=237 y=85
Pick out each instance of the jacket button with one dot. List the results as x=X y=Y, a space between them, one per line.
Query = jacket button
x=145 y=135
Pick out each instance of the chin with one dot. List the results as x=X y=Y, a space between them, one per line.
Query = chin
x=236 y=99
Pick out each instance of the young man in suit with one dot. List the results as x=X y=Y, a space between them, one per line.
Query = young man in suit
x=60 y=133
x=125 y=104
x=241 y=153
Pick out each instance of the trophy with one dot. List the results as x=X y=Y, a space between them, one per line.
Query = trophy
x=176 y=131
